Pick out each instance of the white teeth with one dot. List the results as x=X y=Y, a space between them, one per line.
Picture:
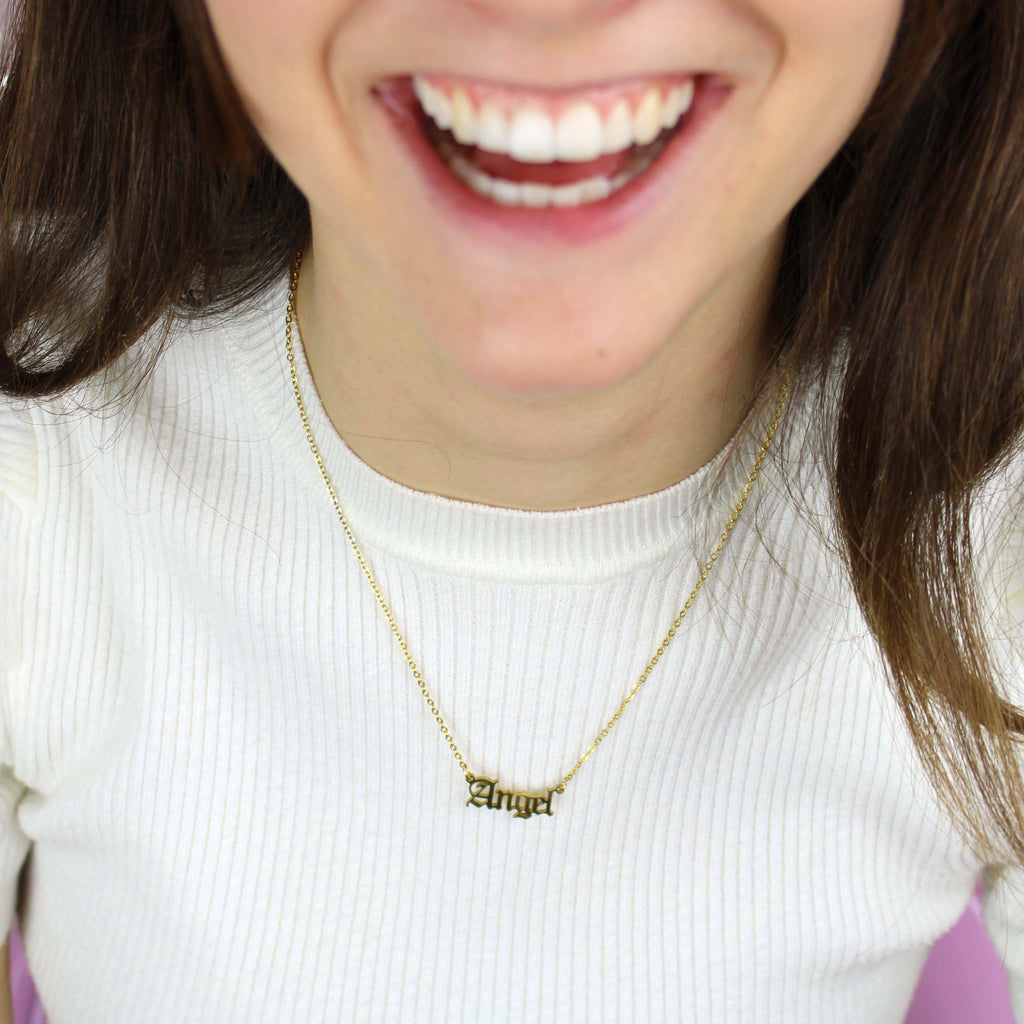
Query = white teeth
x=531 y=138
x=463 y=118
x=442 y=112
x=472 y=176
x=531 y=135
x=579 y=134
x=647 y=120
x=594 y=189
x=433 y=101
x=679 y=101
x=424 y=93
x=537 y=195
x=507 y=193
x=618 y=129
x=572 y=195
x=491 y=129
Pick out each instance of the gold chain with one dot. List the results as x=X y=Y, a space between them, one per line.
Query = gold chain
x=483 y=791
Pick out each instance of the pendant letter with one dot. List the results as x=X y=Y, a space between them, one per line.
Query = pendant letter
x=485 y=793
x=481 y=791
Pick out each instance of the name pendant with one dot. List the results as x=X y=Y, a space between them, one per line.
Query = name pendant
x=485 y=793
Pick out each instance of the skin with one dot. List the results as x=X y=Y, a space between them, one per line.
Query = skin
x=530 y=375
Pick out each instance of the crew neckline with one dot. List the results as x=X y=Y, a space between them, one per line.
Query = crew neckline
x=463 y=538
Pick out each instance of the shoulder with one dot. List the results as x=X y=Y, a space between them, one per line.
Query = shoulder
x=19 y=458
x=186 y=377
x=998 y=519
x=997 y=536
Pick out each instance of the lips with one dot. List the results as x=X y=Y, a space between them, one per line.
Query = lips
x=495 y=192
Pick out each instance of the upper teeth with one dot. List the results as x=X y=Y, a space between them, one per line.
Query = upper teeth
x=532 y=134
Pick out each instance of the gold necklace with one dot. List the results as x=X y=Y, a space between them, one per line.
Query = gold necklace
x=485 y=792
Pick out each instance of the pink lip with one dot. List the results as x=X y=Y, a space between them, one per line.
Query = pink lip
x=566 y=226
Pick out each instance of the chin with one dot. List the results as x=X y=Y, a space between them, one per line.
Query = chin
x=568 y=360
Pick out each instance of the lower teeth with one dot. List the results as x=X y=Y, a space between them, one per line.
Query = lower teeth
x=537 y=195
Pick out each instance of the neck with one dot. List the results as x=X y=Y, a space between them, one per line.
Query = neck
x=416 y=420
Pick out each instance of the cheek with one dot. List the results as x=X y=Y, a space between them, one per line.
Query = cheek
x=849 y=38
x=277 y=53
x=274 y=49
x=848 y=22
x=834 y=55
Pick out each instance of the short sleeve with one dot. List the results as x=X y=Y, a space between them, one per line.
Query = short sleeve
x=1000 y=561
x=18 y=496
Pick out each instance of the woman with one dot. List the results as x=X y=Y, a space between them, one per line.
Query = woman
x=639 y=374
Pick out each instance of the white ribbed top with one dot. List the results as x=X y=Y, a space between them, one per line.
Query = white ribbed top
x=236 y=805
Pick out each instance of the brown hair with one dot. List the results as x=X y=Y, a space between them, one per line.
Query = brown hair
x=133 y=190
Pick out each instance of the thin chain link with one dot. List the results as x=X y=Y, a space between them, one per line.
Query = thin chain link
x=662 y=647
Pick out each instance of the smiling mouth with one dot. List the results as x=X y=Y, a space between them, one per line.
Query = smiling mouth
x=520 y=148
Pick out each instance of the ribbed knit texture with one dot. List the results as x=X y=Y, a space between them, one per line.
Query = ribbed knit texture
x=240 y=808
